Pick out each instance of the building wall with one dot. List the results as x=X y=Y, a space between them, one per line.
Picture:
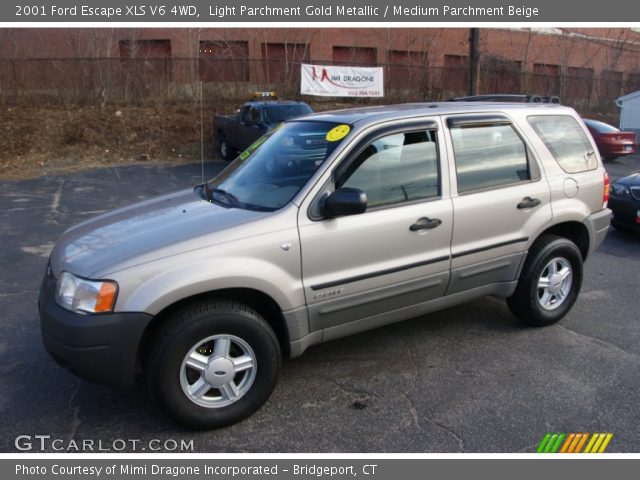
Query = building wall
x=599 y=49
x=587 y=67
x=630 y=114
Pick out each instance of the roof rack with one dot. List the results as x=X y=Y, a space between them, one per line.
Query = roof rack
x=508 y=97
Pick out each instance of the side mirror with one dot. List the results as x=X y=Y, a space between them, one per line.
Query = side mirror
x=345 y=201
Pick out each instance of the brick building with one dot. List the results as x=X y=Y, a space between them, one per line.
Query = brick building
x=579 y=62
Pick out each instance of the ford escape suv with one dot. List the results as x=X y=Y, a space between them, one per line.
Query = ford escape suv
x=332 y=224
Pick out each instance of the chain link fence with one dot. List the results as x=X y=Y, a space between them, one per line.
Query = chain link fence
x=156 y=81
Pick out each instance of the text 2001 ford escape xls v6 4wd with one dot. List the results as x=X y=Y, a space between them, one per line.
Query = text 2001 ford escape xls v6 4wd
x=336 y=223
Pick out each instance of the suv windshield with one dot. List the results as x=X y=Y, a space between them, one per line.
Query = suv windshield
x=280 y=113
x=272 y=171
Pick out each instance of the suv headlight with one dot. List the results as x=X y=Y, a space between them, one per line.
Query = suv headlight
x=620 y=190
x=86 y=296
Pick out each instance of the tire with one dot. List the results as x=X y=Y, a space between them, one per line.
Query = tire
x=197 y=332
x=225 y=150
x=538 y=306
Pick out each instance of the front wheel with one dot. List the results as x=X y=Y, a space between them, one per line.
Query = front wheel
x=549 y=283
x=213 y=364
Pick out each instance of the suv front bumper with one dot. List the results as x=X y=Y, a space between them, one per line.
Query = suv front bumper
x=101 y=348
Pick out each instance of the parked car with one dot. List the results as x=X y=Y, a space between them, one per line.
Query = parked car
x=336 y=223
x=611 y=142
x=235 y=133
x=625 y=202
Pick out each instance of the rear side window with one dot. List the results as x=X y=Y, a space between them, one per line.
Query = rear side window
x=566 y=141
x=488 y=156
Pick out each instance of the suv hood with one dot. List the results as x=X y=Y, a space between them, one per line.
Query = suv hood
x=142 y=232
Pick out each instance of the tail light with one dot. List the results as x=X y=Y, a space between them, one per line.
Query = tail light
x=605 y=192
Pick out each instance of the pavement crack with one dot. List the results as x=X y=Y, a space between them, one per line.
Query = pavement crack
x=414 y=362
x=43 y=250
x=23 y=292
x=116 y=173
x=412 y=407
x=55 y=203
x=75 y=420
x=22 y=209
x=413 y=411
x=352 y=395
x=92 y=212
x=600 y=341
x=450 y=431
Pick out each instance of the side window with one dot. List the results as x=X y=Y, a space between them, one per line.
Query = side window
x=396 y=168
x=488 y=156
x=255 y=115
x=245 y=117
x=566 y=141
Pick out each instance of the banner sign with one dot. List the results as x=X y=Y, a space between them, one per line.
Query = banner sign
x=340 y=81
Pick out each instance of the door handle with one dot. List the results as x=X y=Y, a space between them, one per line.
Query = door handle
x=528 y=202
x=425 y=223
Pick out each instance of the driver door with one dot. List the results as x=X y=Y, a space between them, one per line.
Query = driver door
x=364 y=270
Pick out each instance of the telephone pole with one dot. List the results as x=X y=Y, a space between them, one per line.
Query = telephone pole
x=474 y=60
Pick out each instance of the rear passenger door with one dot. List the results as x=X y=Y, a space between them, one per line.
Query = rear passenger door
x=501 y=202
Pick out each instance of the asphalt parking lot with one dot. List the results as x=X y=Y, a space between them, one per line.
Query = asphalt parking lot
x=467 y=379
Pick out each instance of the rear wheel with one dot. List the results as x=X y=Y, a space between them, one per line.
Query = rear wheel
x=213 y=364
x=224 y=149
x=549 y=283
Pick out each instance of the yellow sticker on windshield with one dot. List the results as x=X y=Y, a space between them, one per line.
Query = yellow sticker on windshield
x=338 y=133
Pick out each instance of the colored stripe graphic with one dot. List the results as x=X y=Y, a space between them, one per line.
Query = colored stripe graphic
x=565 y=447
x=572 y=448
x=543 y=443
x=551 y=443
x=594 y=437
x=581 y=443
x=556 y=446
x=598 y=443
x=607 y=439
x=554 y=442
